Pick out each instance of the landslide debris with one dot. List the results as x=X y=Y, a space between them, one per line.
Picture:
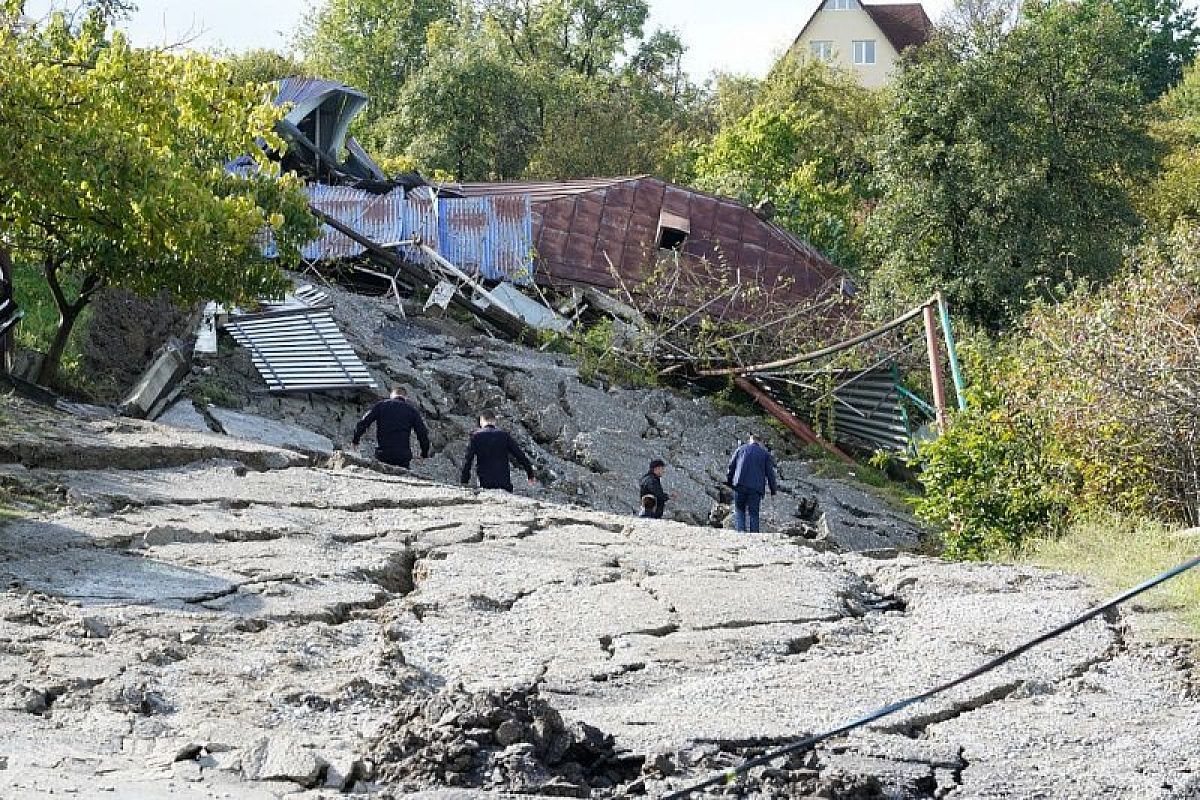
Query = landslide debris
x=510 y=740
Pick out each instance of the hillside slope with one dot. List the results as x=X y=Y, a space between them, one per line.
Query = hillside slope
x=591 y=443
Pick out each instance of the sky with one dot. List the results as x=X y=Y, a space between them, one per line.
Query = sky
x=743 y=36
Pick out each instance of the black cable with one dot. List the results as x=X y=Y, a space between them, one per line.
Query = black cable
x=729 y=775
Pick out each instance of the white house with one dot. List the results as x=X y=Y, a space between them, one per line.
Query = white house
x=865 y=39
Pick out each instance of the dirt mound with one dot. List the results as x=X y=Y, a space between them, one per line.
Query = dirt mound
x=510 y=740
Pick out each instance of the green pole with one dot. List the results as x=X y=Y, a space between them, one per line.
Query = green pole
x=960 y=388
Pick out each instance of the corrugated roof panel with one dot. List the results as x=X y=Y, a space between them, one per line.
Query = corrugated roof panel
x=298 y=90
x=539 y=191
x=488 y=236
x=299 y=350
x=869 y=410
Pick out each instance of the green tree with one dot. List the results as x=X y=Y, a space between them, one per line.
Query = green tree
x=1173 y=197
x=1163 y=36
x=584 y=36
x=375 y=46
x=469 y=115
x=1007 y=163
x=801 y=151
x=590 y=127
x=262 y=65
x=111 y=171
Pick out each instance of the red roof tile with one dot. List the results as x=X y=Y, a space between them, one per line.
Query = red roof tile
x=904 y=24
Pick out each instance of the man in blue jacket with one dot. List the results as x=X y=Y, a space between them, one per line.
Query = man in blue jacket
x=395 y=419
x=492 y=448
x=751 y=471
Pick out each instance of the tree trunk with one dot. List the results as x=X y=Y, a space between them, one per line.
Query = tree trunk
x=68 y=315
x=66 y=324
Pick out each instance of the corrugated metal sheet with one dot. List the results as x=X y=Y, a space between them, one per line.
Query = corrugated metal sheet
x=381 y=217
x=488 y=236
x=299 y=90
x=869 y=410
x=538 y=191
x=300 y=350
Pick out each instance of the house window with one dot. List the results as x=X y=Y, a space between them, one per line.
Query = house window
x=864 y=51
x=821 y=50
x=841 y=5
x=673 y=231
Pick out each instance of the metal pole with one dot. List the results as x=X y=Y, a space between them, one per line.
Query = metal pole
x=960 y=388
x=935 y=365
x=790 y=421
x=816 y=354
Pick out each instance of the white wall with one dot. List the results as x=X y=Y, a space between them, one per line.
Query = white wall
x=843 y=28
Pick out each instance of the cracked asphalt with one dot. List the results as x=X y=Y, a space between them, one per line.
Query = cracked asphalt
x=241 y=623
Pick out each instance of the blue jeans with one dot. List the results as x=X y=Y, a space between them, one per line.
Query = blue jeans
x=745 y=509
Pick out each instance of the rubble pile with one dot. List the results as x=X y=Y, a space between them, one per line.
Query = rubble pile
x=511 y=740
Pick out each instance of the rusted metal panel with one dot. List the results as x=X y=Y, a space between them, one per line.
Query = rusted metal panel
x=675 y=201
x=488 y=236
x=382 y=217
x=576 y=223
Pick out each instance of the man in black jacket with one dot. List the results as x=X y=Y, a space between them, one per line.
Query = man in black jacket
x=651 y=486
x=395 y=419
x=491 y=448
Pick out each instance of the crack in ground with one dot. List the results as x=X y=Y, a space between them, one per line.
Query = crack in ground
x=127 y=503
x=738 y=624
x=919 y=724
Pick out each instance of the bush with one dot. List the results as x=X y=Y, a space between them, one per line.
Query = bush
x=990 y=483
x=1092 y=406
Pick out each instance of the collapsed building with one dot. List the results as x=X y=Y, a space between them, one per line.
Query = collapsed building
x=496 y=250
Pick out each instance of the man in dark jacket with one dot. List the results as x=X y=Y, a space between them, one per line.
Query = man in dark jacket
x=395 y=419
x=651 y=486
x=492 y=448
x=751 y=471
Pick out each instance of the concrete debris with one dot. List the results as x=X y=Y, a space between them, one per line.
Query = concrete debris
x=282 y=759
x=169 y=367
x=271 y=432
x=511 y=740
x=183 y=414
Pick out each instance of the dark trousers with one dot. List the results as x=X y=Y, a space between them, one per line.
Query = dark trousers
x=506 y=486
x=393 y=458
x=746 y=504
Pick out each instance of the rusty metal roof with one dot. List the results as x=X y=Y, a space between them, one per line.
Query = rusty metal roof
x=577 y=230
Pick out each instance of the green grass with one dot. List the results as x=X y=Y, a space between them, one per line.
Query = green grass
x=1120 y=552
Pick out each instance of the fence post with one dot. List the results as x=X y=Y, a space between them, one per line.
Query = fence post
x=935 y=365
x=960 y=387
